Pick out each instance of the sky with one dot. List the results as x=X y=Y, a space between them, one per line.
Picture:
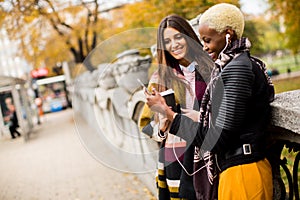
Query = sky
x=255 y=7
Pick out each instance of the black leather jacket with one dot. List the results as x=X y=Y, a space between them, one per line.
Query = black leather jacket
x=240 y=111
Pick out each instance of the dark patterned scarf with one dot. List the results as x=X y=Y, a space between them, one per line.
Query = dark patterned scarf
x=233 y=50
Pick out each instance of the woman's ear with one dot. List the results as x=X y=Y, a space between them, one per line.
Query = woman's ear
x=231 y=33
x=227 y=36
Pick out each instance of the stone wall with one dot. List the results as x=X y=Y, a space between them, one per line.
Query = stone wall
x=286 y=114
x=111 y=99
x=284 y=155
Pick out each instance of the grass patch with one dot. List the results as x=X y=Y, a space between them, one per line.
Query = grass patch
x=286 y=84
x=290 y=158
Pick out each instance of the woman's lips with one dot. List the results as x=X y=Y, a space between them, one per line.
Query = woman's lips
x=212 y=55
x=177 y=51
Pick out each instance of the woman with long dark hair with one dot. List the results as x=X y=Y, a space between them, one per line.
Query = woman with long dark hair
x=185 y=68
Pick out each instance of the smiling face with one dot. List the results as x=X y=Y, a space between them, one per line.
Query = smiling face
x=175 y=44
x=213 y=42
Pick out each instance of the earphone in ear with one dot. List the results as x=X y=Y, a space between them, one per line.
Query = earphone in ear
x=227 y=38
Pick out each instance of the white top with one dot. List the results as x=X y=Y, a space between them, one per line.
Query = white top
x=189 y=75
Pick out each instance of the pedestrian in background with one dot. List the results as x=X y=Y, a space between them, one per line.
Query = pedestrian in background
x=11 y=118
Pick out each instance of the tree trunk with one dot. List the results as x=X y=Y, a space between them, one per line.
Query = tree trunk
x=80 y=58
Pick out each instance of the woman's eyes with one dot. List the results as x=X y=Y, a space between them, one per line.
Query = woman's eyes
x=176 y=37
x=206 y=40
x=167 y=41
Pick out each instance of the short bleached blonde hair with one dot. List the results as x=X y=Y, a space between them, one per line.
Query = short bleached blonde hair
x=223 y=16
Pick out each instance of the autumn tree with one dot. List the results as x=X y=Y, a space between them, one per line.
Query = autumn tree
x=149 y=13
x=254 y=31
x=264 y=34
x=50 y=30
x=289 y=12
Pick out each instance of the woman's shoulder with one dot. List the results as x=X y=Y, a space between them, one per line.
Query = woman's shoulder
x=242 y=58
x=240 y=68
x=240 y=63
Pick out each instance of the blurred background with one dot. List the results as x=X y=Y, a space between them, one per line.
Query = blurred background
x=47 y=38
x=49 y=46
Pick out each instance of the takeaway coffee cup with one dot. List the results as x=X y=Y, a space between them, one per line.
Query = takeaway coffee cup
x=170 y=98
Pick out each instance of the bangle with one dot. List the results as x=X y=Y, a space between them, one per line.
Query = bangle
x=174 y=115
x=162 y=134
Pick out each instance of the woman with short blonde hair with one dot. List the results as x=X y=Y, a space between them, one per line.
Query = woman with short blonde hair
x=234 y=110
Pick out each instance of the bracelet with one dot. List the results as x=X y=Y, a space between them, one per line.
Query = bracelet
x=162 y=134
x=174 y=115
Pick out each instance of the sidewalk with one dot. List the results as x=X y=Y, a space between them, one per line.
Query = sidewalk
x=53 y=164
x=286 y=75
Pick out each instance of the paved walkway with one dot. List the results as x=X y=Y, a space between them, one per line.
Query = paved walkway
x=53 y=164
x=286 y=75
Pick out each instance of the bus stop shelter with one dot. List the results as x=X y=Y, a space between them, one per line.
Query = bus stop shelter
x=15 y=88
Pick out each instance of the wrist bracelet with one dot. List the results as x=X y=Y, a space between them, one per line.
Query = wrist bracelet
x=174 y=115
x=162 y=134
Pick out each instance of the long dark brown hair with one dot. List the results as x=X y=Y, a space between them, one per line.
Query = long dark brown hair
x=167 y=63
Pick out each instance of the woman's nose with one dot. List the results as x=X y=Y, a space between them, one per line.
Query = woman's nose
x=205 y=48
x=174 y=43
